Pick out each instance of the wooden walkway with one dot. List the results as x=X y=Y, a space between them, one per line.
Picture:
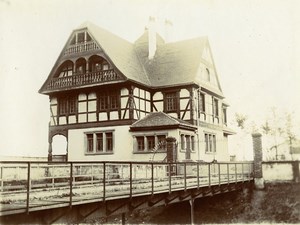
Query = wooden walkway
x=32 y=186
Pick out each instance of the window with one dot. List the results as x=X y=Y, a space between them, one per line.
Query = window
x=90 y=142
x=161 y=142
x=66 y=69
x=80 y=37
x=171 y=102
x=108 y=100
x=210 y=143
x=187 y=142
x=140 y=143
x=150 y=143
x=207 y=75
x=224 y=116
x=215 y=107
x=201 y=102
x=67 y=106
x=99 y=142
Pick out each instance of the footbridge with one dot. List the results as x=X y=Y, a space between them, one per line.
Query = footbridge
x=54 y=192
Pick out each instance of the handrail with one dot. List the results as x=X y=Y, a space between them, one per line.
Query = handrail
x=111 y=179
x=83 y=79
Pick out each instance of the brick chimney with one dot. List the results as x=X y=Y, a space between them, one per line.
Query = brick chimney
x=151 y=37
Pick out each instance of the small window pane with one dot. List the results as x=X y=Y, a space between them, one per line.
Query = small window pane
x=151 y=142
x=161 y=142
x=99 y=142
x=109 y=142
x=90 y=145
x=140 y=143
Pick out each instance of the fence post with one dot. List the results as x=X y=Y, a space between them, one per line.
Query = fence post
x=28 y=187
x=257 y=148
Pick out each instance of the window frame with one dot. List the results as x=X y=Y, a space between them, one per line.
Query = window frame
x=144 y=138
x=171 y=98
x=210 y=141
x=105 y=150
x=108 y=100
x=187 y=140
x=67 y=106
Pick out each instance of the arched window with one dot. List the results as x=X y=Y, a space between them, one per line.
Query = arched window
x=65 y=70
x=97 y=63
x=80 y=66
x=207 y=75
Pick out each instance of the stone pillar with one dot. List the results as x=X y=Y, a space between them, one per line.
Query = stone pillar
x=257 y=148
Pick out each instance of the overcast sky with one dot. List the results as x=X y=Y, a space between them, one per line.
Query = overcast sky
x=255 y=45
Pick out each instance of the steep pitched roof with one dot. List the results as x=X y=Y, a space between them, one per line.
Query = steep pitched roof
x=160 y=120
x=120 y=51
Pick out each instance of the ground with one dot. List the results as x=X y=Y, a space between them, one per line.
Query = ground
x=278 y=203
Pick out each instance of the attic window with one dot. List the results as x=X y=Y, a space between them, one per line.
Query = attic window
x=80 y=37
x=207 y=75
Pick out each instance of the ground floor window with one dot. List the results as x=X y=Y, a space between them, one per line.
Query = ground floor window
x=187 y=142
x=99 y=142
x=210 y=143
x=150 y=143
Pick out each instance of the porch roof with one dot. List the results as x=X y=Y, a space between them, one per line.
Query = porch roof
x=160 y=120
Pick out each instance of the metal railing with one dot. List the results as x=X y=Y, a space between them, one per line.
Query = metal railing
x=26 y=186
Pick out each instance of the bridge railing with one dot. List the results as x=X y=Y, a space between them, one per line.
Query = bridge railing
x=35 y=184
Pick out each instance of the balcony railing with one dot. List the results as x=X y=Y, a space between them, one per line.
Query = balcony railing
x=83 y=79
x=81 y=47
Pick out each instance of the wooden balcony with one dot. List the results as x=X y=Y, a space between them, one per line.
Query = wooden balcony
x=83 y=79
x=81 y=47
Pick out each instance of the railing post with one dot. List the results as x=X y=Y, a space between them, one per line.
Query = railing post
x=235 y=173
x=28 y=187
x=209 y=181
x=152 y=178
x=130 y=180
x=198 y=183
x=71 y=183
x=228 y=179
x=170 y=179
x=243 y=172
x=219 y=171
x=184 y=176
x=104 y=180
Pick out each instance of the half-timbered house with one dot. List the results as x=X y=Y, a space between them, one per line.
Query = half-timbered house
x=116 y=100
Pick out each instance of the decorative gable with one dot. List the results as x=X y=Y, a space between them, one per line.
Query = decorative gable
x=80 y=41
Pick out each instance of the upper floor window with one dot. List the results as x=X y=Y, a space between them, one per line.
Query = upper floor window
x=224 y=115
x=201 y=102
x=67 y=105
x=99 y=142
x=171 y=102
x=66 y=69
x=80 y=37
x=215 y=107
x=108 y=100
x=97 y=63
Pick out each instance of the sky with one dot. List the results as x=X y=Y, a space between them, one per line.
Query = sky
x=255 y=46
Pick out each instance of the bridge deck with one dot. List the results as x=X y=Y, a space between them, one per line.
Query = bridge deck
x=33 y=186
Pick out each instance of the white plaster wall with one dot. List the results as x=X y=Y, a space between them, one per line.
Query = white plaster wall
x=122 y=144
x=277 y=171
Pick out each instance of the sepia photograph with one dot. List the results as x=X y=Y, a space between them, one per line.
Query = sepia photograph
x=149 y=112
